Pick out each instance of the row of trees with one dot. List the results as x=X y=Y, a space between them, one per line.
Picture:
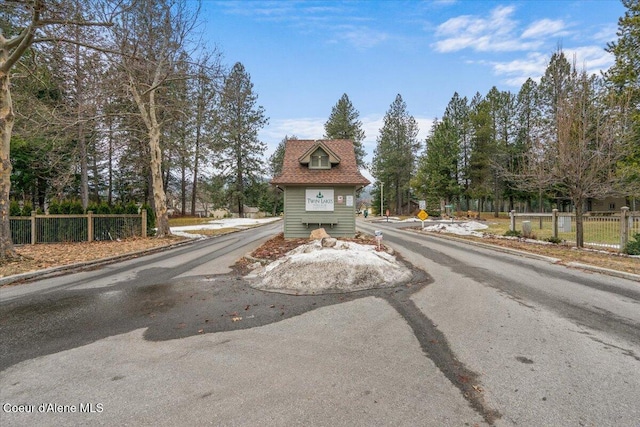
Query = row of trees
x=116 y=101
x=570 y=137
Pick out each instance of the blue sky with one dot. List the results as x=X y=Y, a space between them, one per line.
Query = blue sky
x=303 y=55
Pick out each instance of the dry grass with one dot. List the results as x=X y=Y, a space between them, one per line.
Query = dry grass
x=566 y=254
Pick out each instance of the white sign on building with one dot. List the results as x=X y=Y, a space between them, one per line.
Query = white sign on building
x=319 y=200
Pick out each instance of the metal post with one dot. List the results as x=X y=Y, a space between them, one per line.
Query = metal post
x=624 y=228
x=89 y=226
x=554 y=223
x=143 y=212
x=33 y=227
x=512 y=215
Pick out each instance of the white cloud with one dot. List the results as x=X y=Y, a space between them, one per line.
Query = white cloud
x=362 y=37
x=545 y=28
x=303 y=128
x=497 y=32
x=606 y=34
x=592 y=58
x=484 y=34
x=532 y=65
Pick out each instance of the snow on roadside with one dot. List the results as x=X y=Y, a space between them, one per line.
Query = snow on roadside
x=468 y=228
x=216 y=224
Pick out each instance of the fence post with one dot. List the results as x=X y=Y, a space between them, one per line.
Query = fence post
x=554 y=223
x=143 y=227
x=33 y=227
x=624 y=228
x=512 y=225
x=89 y=226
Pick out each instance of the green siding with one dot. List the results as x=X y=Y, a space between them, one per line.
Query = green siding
x=294 y=212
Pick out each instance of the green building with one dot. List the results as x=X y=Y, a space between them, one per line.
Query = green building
x=319 y=179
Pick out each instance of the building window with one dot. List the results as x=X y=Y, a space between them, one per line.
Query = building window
x=319 y=160
x=612 y=206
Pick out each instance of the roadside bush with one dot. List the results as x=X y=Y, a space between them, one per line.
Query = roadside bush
x=151 y=219
x=513 y=233
x=132 y=209
x=104 y=209
x=554 y=240
x=633 y=248
x=27 y=208
x=93 y=207
x=55 y=208
x=72 y=207
x=14 y=208
x=117 y=209
x=66 y=207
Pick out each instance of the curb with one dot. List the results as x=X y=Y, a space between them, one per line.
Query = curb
x=58 y=271
x=608 y=271
x=494 y=247
x=63 y=269
x=587 y=267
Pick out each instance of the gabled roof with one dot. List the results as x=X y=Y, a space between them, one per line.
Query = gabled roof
x=305 y=159
x=295 y=173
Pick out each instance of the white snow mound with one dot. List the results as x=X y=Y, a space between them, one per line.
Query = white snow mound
x=460 y=228
x=347 y=267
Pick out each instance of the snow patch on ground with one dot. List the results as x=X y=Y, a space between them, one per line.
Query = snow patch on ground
x=347 y=267
x=460 y=228
x=216 y=224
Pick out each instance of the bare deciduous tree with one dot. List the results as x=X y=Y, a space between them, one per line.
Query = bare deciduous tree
x=578 y=159
x=31 y=21
x=151 y=37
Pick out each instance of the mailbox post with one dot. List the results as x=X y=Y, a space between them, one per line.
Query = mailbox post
x=378 y=234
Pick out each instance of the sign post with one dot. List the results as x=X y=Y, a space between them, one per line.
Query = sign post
x=422 y=215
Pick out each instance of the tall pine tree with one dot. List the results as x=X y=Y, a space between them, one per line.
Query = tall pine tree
x=624 y=80
x=436 y=178
x=343 y=123
x=239 y=153
x=395 y=154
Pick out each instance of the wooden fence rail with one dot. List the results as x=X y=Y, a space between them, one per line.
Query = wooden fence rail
x=76 y=228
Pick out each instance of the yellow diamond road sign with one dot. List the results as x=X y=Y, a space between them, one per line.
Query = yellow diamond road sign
x=423 y=215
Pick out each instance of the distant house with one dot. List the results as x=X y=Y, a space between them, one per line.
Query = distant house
x=608 y=204
x=319 y=179
x=249 y=212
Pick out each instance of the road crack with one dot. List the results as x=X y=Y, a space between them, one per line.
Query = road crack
x=436 y=347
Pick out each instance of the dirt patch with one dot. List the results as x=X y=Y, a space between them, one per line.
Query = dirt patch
x=278 y=246
x=42 y=256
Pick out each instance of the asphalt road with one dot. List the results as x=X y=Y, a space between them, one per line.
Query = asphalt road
x=176 y=338
x=553 y=346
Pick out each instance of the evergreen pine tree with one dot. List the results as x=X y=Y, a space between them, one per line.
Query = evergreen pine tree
x=395 y=154
x=239 y=152
x=343 y=123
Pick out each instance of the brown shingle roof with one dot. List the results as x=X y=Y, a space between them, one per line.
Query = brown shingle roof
x=346 y=172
